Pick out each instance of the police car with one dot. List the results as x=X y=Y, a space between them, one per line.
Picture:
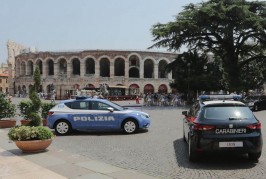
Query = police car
x=95 y=114
x=221 y=125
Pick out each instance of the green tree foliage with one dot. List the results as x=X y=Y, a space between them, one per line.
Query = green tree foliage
x=7 y=109
x=36 y=101
x=233 y=30
x=192 y=73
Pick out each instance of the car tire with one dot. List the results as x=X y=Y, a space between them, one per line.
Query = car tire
x=129 y=126
x=63 y=127
x=254 y=156
x=192 y=156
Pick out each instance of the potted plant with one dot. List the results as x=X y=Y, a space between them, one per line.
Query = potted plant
x=45 y=107
x=31 y=138
x=24 y=107
x=7 y=111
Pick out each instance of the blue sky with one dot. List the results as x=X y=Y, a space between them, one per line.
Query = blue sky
x=55 y=25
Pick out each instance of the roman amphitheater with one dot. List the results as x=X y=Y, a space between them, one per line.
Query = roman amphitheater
x=66 y=72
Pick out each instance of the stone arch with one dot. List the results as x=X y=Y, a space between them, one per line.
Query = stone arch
x=162 y=69
x=30 y=67
x=39 y=63
x=149 y=68
x=163 y=89
x=134 y=60
x=75 y=66
x=62 y=66
x=148 y=88
x=90 y=86
x=134 y=89
x=50 y=67
x=89 y=66
x=23 y=68
x=119 y=66
x=104 y=67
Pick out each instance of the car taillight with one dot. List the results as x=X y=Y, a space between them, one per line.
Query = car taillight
x=50 y=113
x=254 y=126
x=201 y=127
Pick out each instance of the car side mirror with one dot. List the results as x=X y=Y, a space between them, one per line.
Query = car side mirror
x=111 y=109
x=185 y=113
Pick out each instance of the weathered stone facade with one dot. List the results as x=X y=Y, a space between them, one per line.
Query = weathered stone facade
x=67 y=71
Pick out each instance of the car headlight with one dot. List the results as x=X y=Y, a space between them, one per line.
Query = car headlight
x=144 y=116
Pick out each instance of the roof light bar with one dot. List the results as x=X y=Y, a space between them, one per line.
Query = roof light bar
x=219 y=97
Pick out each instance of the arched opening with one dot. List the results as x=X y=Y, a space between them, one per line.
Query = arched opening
x=134 y=64
x=162 y=69
x=90 y=66
x=148 y=68
x=134 y=89
x=148 y=89
x=163 y=89
x=90 y=86
x=104 y=67
x=76 y=66
x=133 y=72
x=30 y=68
x=119 y=67
x=23 y=69
x=62 y=66
x=50 y=67
x=39 y=64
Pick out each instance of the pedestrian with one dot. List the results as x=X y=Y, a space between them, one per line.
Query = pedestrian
x=137 y=100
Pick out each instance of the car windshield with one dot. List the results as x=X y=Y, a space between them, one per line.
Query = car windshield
x=227 y=112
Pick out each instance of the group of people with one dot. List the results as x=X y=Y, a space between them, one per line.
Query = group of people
x=164 y=99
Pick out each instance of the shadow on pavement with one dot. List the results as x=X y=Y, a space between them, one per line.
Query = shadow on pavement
x=213 y=161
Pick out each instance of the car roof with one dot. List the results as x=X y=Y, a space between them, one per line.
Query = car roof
x=83 y=99
x=222 y=102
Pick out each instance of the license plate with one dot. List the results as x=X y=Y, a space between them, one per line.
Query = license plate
x=230 y=144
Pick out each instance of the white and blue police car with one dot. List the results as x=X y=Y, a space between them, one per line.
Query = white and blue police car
x=86 y=114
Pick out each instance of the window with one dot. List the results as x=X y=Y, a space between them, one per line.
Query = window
x=83 y=105
x=226 y=112
x=0 y=80
x=96 y=105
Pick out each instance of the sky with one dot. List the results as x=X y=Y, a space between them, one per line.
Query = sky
x=70 y=25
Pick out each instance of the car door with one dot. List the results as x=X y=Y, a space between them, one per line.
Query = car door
x=102 y=117
x=81 y=115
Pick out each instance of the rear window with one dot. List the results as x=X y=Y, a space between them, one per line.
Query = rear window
x=227 y=112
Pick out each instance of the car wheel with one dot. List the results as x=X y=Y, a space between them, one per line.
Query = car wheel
x=129 y=126
x=192 y=156
x=254 y=156
x=62 y=127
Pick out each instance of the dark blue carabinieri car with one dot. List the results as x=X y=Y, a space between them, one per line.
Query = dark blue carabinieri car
x=221 y=126
x=88 y=114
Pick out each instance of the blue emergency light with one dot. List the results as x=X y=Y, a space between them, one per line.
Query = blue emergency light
x=219 y=97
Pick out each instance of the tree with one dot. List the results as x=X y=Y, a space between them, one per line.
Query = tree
x=36 y=102
x=193 y=74
x=233 y=30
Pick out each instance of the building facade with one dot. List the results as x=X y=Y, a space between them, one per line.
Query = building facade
x=4 y=86
x=68 y=71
